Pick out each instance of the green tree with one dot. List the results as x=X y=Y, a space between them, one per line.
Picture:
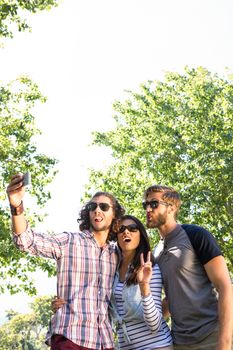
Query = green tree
x=27 y=331
x=18 y=152
x=41 y=307
x=177 y=132
x=12 y=12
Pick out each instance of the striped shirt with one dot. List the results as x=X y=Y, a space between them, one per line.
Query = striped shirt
x=153 y=333
x=85 y=275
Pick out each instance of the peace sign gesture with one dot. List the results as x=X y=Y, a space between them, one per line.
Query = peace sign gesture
x=145 y=271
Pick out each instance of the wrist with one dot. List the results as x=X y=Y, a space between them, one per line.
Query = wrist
x=17 y=210
x=144 y=288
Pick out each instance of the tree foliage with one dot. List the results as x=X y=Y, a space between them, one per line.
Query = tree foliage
x=12 y=14
x=18 y=153
x=27 y=331
x=177 y=132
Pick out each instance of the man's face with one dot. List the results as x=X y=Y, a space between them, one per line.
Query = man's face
x=101 y=219
x=157 y=217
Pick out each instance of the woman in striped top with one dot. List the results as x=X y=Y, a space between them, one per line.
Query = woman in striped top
x=136 y=307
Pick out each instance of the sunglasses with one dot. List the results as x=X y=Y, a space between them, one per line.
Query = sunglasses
x=130 y=228
x=103 y=206
x=154 y=204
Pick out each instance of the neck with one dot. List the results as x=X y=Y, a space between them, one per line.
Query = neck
x=165 y=229
x=101 y=237
x=127 y=257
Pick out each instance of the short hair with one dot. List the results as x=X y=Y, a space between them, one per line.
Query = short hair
x=143 y=247
x=84 y=219
x=169 y=195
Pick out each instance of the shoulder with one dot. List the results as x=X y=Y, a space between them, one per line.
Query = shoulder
x=198 y=234
x=73 y=237
x=203 y=242
x=194 y=229
x=66 y=237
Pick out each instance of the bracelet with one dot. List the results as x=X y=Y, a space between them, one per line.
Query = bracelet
x=17 y=210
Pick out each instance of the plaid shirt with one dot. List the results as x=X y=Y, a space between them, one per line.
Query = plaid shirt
x=85 y=275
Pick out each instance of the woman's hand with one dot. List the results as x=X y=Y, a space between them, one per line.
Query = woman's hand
x=144 y=273
x=57 y=303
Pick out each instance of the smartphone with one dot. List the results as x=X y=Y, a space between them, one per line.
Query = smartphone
x=26 y=179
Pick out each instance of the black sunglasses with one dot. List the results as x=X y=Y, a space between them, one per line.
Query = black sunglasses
x=154 y=204
x=130 y=228
x=103 y=206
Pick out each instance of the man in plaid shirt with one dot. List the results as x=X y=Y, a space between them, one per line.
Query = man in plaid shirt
x=86 y=263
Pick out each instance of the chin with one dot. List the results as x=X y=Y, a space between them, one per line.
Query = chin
x=150 y=224
x=99 y=229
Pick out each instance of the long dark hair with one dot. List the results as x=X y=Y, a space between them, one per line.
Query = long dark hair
x=143 y=247
x=84 y=219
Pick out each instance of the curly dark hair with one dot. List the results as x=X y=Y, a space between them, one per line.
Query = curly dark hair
x=143 y=247
x=84 y=219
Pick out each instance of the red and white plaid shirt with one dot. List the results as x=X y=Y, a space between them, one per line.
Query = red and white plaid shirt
x=85 y=275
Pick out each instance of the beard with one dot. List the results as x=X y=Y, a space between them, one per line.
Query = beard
x=159 y=221
x=98 y=228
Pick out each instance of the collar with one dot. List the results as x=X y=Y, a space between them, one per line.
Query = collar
x=172 y=234
x=111 y=245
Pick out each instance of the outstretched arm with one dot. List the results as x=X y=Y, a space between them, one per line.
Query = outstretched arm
x=218 y=274
x=26 y=239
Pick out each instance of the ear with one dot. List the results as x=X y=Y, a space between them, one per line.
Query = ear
x=172 y=210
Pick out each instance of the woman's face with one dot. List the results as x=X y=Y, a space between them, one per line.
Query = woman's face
x=128 y=236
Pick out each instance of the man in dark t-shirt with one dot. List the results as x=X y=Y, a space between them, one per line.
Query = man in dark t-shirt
x=195 y=276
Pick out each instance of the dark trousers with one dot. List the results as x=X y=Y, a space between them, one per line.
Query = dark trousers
x=59 y=342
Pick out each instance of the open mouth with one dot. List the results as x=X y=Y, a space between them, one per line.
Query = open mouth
x=98 y=219
x=127 y=240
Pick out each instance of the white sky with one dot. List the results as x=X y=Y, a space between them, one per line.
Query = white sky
x=83 y=55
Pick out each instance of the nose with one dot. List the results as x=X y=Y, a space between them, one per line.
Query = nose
x=148 y=208
x=97 y=209
x=126 y=232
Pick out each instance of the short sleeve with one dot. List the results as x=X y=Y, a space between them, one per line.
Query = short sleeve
x=203 y=242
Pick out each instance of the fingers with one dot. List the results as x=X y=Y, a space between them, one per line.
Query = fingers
x=17 y=176
x=15 y=183
x=142 y=259
x=148 y=256
x=148 y=259
x=16 y=179
x=57 y=303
